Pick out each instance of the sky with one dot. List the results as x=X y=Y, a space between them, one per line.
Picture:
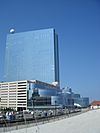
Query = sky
x=77 y=23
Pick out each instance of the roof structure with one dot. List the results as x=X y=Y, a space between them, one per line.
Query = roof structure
x=95 y=103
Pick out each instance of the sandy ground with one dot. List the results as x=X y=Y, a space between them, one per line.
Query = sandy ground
x=88 y=122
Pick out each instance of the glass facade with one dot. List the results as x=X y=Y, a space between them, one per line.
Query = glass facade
x=40 y=94
x=32 y=55
x=82 y=101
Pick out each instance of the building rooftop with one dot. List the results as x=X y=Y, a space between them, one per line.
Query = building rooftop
x=32 y=81
x=95 y=103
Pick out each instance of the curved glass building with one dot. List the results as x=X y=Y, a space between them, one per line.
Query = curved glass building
x=42 y=94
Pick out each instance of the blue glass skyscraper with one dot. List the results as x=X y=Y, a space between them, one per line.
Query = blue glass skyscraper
x=32 y=55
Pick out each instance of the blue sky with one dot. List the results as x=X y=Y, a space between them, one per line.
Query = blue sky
x=77 y=23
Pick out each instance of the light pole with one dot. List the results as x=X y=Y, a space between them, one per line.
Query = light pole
x=55 y=107
x=33 y=104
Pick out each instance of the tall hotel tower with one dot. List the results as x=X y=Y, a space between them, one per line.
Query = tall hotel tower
x=32 y=55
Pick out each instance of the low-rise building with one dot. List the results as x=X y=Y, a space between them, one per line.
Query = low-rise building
x=29 y=94
x=80 y=101
x=25 y=94
x=95 y=105
x=13 y=94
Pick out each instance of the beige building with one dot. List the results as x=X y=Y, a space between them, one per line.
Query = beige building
x=13 y=94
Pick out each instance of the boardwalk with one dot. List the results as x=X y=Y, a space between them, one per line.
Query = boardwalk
x=88 y=122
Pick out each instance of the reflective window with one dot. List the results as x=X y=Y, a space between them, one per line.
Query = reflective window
x=34 y=55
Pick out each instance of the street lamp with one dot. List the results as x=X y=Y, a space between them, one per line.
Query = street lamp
x=33 y=103
x=55 y=107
